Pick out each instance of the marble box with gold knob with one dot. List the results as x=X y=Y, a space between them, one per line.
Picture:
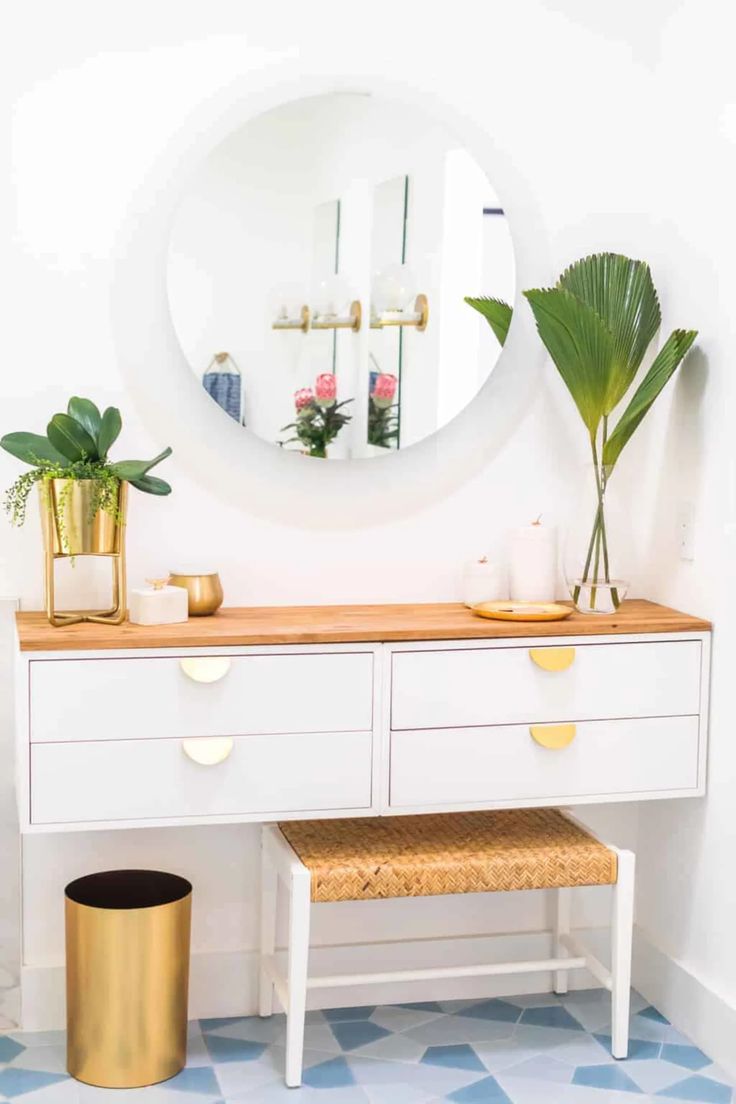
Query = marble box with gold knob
x=158 y=604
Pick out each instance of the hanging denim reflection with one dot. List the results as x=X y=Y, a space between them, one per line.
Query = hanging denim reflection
x=223 y=382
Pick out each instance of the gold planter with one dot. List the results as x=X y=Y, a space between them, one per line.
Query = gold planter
x=70 y=529
x=205 y=592
x=127 y=977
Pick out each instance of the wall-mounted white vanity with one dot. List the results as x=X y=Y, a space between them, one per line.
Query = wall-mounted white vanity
x=259 y=714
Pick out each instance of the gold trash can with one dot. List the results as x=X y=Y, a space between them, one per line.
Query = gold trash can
x=127 y=977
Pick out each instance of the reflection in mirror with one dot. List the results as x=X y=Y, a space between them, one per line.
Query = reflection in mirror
x=319 y=267
x=223 y=382
x=385 y=343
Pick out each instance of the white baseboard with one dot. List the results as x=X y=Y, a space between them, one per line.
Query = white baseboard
x=692 y=1006
x=224 y=984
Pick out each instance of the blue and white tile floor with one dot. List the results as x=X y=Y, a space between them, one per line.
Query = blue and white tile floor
x=520 y=1050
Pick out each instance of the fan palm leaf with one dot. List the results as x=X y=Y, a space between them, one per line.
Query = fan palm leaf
x=662 y=369
x=581 y=346
x=621 y=292
x=497 y=313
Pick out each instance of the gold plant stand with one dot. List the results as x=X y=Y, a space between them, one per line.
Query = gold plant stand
x=70 y=530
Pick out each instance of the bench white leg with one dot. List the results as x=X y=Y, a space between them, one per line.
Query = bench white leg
x=622 y=930
x=563 y=902
x=299 y=905
x=269 y=898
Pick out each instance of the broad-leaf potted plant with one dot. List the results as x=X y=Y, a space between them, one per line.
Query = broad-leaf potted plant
x=82 y=491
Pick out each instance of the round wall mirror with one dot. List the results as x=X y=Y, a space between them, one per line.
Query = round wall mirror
x=319 y=267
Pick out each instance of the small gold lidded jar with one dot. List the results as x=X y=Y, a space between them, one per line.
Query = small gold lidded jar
x=204 y=589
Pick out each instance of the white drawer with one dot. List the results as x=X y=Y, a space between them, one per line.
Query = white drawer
x=485 y=766
x=124 y=699
x=484 y=686
x=151 y=779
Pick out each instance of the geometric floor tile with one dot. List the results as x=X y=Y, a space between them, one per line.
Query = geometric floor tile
x=197 y=1079
x=494 y=1010
x=542 y=1049
x=340 y=1015
x=252 y=1028
x=227 y=1021
x=605 y=1077
x=351 y=1034
x=652 y=1075
x=550 y=1017
x=46 y=1059
x=650 y=1013
x=401 y=1019
x=688 y=1056
x=62 y=1092
x=640 y=1049
x=443 y=1030
x=394 y=1048
x=460 y=1056
x=645 y=1027
x=591 y=1015
x=501 y=1054
x=699 y=1088
x=542 y=1068
x=581 y=1049
x=232 y=1050
x=18 y=1082
x=543 y=1000
x=487 y=1091
x=401 y=1078
x=9 y=1048
x=332 y=1074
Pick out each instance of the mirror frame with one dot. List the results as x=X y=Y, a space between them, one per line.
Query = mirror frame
x=237 y=466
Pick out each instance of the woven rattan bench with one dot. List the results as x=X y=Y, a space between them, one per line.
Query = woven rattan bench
x=420 y=856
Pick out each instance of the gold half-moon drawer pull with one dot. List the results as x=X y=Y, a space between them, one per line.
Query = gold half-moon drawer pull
x=553 y=737
x=553 y=659
x=205 y=668
x=208 y=750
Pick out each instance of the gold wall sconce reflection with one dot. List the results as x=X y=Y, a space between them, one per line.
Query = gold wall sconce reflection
x=300 y=324
x=350 y=321
x=418 y=318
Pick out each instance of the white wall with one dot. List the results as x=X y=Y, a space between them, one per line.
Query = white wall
x=623 y=123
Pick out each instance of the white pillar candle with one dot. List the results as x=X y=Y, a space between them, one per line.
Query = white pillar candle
x=483 y=581
x=533 y=563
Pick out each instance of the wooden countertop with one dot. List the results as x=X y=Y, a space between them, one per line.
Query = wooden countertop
x=342 y=624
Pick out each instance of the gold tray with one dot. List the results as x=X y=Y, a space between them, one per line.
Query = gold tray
x=523 y=611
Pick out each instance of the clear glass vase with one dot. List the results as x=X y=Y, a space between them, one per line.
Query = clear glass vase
x=597 y=545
